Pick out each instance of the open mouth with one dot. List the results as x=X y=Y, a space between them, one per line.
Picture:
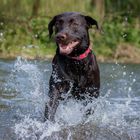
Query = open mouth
x=67 y=48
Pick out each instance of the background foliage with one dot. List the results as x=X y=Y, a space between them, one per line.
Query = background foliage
x=23 y=27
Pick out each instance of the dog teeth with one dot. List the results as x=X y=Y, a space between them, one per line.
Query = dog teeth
x=73 y=42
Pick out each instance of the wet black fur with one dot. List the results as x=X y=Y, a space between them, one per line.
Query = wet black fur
x=80 y=76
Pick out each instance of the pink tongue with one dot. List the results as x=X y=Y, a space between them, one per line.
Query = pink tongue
x=63 y=46
x=67 y=49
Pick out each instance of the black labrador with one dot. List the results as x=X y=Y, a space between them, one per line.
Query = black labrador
x=75 y=68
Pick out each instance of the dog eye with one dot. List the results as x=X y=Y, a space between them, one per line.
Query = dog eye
x=71 y=21
x=59 y=22
x=75 y=24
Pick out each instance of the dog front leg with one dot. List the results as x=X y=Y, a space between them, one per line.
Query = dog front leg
x=52 y=105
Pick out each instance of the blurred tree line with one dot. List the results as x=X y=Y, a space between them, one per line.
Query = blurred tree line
x=24 y=22
x=29 y=8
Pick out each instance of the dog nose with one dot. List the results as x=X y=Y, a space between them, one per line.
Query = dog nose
x=61 y=37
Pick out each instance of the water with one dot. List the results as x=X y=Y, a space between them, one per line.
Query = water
x=23 y=93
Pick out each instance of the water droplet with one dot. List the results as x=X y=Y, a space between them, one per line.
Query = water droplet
x=124 y=73
x=111 y=76
x=1 y=23
x=113 y=68
x=126 y=19
x=36 y=35
x=1 y=34
x=108 y=84
x=134 y=80
x=124 y=67
x=116 y=63
x=129 y=89
x=124 y=35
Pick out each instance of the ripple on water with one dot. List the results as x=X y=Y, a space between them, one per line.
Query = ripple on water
x=116 y=113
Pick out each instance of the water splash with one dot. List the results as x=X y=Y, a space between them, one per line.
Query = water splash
x=116 y=112
x=27 y=82
x=33 y=129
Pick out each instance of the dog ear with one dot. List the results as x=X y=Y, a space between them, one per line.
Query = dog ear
x=91 y=21
x=50 y=26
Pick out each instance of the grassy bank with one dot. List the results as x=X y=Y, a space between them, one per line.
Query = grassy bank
x=118 y=39
x=23 y=28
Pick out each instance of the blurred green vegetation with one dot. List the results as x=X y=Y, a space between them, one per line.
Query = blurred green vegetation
x=23 y=25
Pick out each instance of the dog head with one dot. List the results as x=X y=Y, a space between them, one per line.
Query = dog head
x=71 y=32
